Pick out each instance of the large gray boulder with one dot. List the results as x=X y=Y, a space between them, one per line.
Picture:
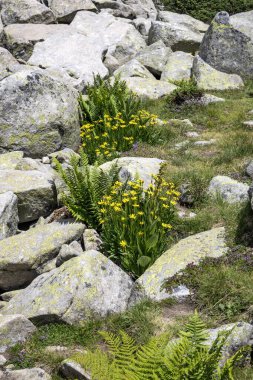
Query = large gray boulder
x=133 y=68
x=243 y=22
x=178 y=67
x=38 y=114
x=8 y=64
x=227 y=49
x=180 y=32
x=25 y=374
x=8 y=214
x=24 y=11
x=65 y=10
x=228 y=189
x=190 y=250
x=84 y=287
x=22 y=257
x=154 y=57
x=132 y=167
x=35 y=192
x=21 y=38
x=148 y=88
x=209 y=78
x=79 y=56
x=14 y=329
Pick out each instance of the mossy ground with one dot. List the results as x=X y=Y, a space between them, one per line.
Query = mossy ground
x=229 y=155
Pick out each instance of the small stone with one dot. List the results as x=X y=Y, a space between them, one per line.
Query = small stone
x=45 y=160
x=91 y=240
x=67 y=252
x=182 y=144
x=24 y=374
x=249 y=169
x=192 y=134
x=205 y=142
x=248 y=123
x=8 y=214
x=3 y=361
x=228 y=189
x=72 y=370
x=180 y=123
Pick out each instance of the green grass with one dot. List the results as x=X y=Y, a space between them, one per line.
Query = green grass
x=243 y=373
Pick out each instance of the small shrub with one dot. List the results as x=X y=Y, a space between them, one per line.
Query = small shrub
x=206 y=10
x=186 y=358
x=187 y=90
x=135 y=222
x=103 y=139
x=108 y=98
x=87 y=185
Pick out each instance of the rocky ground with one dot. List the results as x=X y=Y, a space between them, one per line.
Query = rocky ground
x=57 y=290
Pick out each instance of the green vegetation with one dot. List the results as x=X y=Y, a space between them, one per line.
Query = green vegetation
x=206 y=10
x=186 y=358
x=187 y=90
x=135 y=222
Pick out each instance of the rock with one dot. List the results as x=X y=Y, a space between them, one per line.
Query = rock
x=190 y=250
x=226 y=48
x=154 y=57
x=142 y=25
x=7 y=296
x=21 y=38
x=25 y=11
x=133 y=68
x=72 y=370
x=3 y=361
x=205 y=100
x=78 y=56
x=249 y=169
x=63 y=156
x=84 y=287
x=209 y=78
x=243 y=23
x=241 y=336
x=178 y=67
x=22 y=256
x=25 y=374
x=176 y=34
x=131 y=167
x=67 y=252
x=3 y=304
x=38 y=114
x=14 y=329
x=148 y=88
x=36 y=194
x=248 y=123
x=65 y=11
x=10 y=160
x=192 y=134
x=204 y=142
x=184 y=20
x=8 y=64
x=228 y=189
x=181 y=123
x=115 y=8
x=91 y=240
x=8 y=215
x=104 y=31
x=142 y=8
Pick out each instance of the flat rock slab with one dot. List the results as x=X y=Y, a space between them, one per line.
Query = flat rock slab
x=14 y=329
x=25 y=374
x=36 y=194
x=65 y=11
x=22 y=256
x=149 y=88
x=190 y=250
x=84 y=287
x=8 y=214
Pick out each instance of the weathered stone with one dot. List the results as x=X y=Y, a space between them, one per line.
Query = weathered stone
x=38 y=114
x=133 y=68
x=36 y=194
x=204 y=142
x=72 y=370
x=91 y=240
x=8 y=64
x=25 y=374
x=65 y=10
x=142 y=25
x=116 y=8
x=178 y=36
x=67 y=252
x=79 y=56
x=142 y=8
x=22 y=256
x=21 y=38
x=182 y=19
x=248 y=123
x=154 y=57
x=7 y=296
x=226 y=48
x=132 y=167
x=8 y=214
x=190 y=250
x=228 y=189
x=205 y=100
x=243 y=22
x=178 y=67
x=209 y=78
x=148 y=88
x=3 y=361
x=24 y=11
x=10 y=160
x=249 y=169
x=84 y=287
x=14 y=329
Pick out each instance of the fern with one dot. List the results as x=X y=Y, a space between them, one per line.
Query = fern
x=187 y=358
x=86 y=187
